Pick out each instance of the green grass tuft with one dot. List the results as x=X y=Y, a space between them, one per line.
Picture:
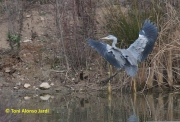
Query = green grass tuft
x=126 y=25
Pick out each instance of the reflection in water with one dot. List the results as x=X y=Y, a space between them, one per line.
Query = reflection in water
x=89 y=107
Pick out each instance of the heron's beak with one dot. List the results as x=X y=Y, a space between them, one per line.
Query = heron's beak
x=105 y=38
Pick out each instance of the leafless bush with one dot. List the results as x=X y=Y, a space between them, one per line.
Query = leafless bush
x=75 y=23
x=14 y=11
x=77 y=20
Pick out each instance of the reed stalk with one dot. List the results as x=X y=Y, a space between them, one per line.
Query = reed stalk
x=150 y=77
x=170 y=107
x=169 y=69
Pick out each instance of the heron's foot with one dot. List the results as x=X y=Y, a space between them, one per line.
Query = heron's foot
x=104 y=82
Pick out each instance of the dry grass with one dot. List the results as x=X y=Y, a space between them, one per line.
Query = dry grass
x=77 y=20
x=161 y=68
x=167 y=49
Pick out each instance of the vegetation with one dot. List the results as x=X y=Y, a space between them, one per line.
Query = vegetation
x=158 y=70
x=77 y=20
x=14 y=40
x=126 y=24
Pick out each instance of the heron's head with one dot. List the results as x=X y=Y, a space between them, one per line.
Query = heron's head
x=109 y=37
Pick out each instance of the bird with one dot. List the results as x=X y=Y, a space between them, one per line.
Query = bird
x=130 y=57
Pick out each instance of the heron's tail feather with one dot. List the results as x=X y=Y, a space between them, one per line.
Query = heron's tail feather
x=131 y=69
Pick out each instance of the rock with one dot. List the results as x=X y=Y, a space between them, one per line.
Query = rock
x=27 y=85
x=15 y=75
x=27 y=40
x=42 y=18
x=45 y=97
x=7 y=69
x=52 y=84
x=28 y=16
x=15 y=88
x=35 y=88
x=35 y=95
x=27 y=97
x=44 y=85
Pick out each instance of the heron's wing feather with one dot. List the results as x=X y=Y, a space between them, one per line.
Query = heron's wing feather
x=129 y=57
x=131 y=69
x=145 y=42
x=103 y=48
x=131 y=66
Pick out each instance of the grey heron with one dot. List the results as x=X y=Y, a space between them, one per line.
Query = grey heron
x=130 y=57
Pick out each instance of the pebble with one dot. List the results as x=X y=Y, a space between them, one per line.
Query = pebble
x=28 y=16
x=7 y=69
x=27 y=85
x=27 y=97
x=45 y=97
x=52 y=84
x=44 y=85
x=27 y=40
x=16 y=88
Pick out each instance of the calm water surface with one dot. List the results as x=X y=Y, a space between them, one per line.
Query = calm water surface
x=21 y=106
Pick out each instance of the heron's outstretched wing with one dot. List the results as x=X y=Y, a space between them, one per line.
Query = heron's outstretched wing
x=103 y=48
x=145 y=42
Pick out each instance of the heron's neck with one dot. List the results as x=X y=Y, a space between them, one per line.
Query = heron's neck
x=114 y=42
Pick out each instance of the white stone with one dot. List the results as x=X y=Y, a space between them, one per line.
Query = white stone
x=28 y=16
x=27 y=85
x=7 y=69
x=27 y=97
x=44 y=85
x=27 y=40
x=45 y=97
x=16 y=88
x=52 y=84
x=42 y=18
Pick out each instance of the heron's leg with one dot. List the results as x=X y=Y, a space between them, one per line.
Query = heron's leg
x=104 y=82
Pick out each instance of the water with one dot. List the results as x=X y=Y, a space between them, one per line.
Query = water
x=20 y=106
